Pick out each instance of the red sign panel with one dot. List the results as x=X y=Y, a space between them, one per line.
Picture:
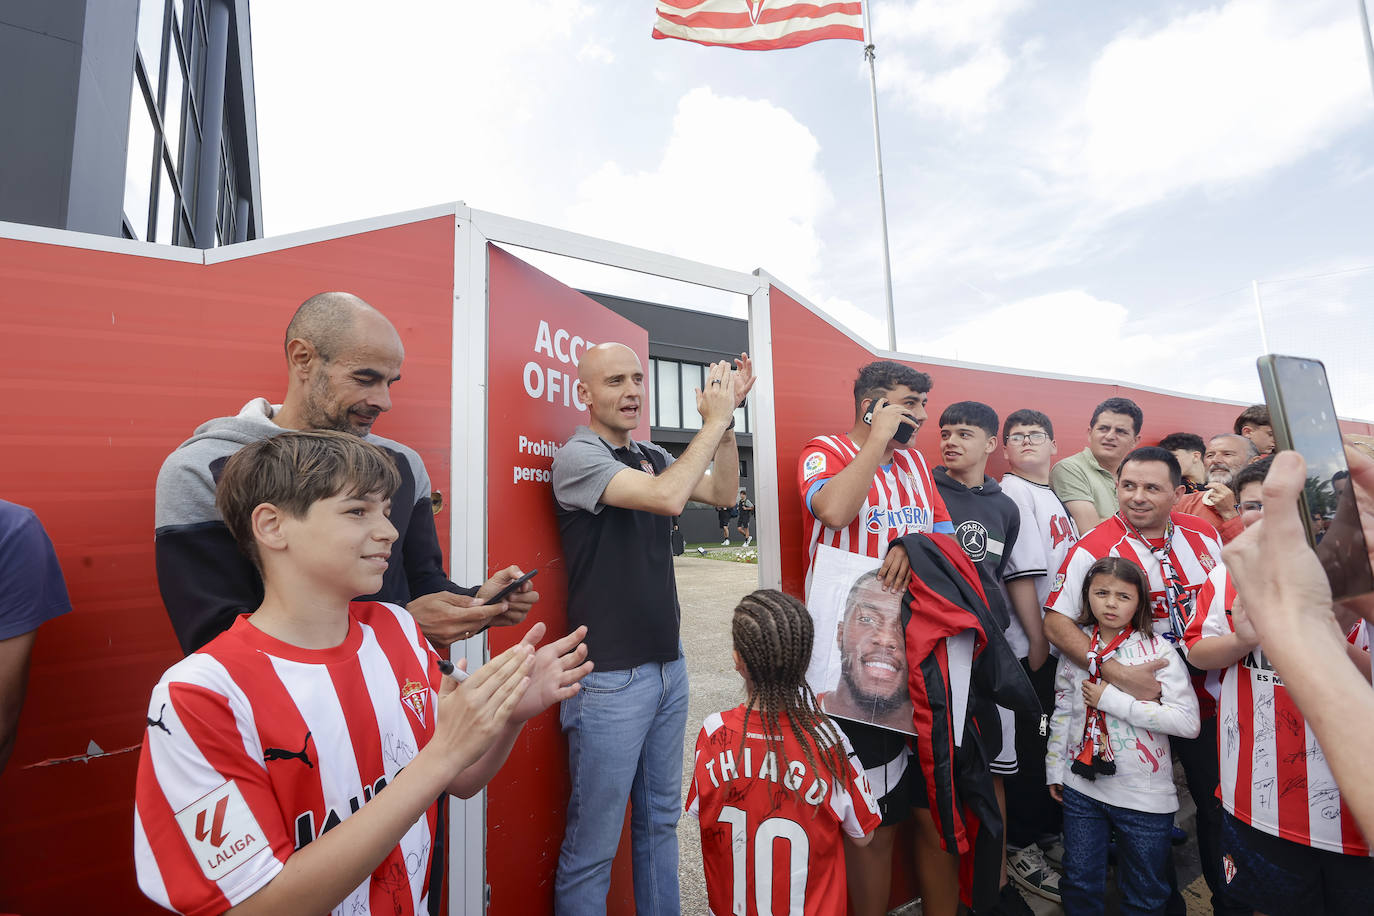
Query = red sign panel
x=538 y=330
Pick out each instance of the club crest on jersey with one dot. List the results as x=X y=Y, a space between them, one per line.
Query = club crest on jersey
x=647 y=466
x=1228 y=865
x=1207 y=562
x=755 y=8
x=814 y=464
x=415 y=696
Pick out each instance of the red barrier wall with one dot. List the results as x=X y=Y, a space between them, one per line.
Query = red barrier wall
x=537 y=332
x=109 y=362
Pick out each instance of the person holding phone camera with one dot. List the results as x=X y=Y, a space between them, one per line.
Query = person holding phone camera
x=861 y=490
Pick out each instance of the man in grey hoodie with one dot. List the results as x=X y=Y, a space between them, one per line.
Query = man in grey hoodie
x=342 y=357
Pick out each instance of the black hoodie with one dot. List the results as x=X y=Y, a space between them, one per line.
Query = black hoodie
x=986 y=522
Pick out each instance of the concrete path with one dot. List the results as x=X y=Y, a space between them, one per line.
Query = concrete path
x=708 y=590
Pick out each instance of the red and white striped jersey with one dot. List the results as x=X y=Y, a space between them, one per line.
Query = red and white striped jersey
x=901 y=500
x=255 y=747
x=1274 y=775
x=770 y=826
x=1194 y=553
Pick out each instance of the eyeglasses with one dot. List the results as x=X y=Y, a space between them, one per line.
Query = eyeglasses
x=1251 y=505
x=1034 y=438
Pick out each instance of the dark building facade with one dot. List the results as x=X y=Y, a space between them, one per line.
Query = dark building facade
x=682 y=343
x=131 y=118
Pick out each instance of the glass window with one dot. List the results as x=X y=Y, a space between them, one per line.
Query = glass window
x=171 y=114
x=138 y=164
x=670 y=408
x=652 y=394
x=151 y=14
x=693 y=375
x=166 y=208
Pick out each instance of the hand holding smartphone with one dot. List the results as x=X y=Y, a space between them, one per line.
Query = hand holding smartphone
x=1304 y=420
x=904 y=430
x=506 y=592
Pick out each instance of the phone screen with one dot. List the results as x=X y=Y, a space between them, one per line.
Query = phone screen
x=1304 y=419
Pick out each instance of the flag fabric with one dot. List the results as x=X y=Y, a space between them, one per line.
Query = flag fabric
x=758 y=25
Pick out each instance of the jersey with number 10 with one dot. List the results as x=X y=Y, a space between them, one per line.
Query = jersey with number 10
x=901 y=500
x=770 y=823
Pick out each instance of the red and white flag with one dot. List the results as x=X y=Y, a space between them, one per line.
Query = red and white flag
x=758 y=25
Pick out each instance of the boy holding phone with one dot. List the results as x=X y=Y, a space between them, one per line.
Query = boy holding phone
x=261 y=776
x=861 y=490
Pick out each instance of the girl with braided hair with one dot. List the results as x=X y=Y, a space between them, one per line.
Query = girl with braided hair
x=775 y=782
x=1108 y=761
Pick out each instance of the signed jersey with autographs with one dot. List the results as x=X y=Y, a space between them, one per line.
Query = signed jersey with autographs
x=771 y=826
x=901 y=500
x=1274 y=775
x=254 y=748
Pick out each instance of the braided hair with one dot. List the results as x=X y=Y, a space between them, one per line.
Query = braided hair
x=773 y=634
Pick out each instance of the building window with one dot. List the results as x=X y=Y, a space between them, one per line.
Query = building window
x=164 y=121
x=673 y=404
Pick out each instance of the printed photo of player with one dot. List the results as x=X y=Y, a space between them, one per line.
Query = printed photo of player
x=861 y=673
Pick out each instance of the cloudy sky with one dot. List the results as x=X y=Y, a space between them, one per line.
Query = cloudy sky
x=1073 y=187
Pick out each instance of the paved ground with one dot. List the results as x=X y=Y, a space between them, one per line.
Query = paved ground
x=708 y=590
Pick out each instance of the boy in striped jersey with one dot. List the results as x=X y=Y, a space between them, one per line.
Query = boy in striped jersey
x=267 y=750
x=1290 y=843
x=860 y=492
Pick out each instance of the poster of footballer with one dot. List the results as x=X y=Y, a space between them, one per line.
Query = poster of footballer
x=858 y=662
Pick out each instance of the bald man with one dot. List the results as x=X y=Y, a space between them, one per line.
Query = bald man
x=342 y=357
x=615 y=500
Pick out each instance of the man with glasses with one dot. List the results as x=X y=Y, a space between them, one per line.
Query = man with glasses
x=1226 y=455
x=1047 y=534
x=1177 y=553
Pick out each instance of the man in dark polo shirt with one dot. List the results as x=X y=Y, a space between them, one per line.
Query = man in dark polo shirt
x=616 y=498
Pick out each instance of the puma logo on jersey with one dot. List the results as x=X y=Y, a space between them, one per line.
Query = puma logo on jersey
x=158 y=723
x=276 y=753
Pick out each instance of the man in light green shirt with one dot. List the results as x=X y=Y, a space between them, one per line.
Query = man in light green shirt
x=1086 y=482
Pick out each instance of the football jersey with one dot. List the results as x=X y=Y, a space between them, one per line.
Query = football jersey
x=770 y=826
x=1274 y=775
x=901 y=500
x=1194 y=553
x=255 y=747
x=1047 y=534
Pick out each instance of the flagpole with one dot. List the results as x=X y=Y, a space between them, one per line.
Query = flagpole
x=1368 y=41
x=869 y=55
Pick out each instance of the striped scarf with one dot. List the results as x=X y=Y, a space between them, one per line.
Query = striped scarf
x=1095 y=756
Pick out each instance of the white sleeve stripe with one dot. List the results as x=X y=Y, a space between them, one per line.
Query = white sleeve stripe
x=149 y=875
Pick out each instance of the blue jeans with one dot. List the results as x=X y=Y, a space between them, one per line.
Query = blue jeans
x=625 y=734
x=1142 y=856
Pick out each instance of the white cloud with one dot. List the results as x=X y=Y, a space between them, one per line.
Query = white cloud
x=1217 y=97
x=965 y=92
x=944 y=24
x=738 y=185
x=595 y=51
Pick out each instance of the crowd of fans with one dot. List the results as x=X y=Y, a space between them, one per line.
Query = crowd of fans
x=1114 y=635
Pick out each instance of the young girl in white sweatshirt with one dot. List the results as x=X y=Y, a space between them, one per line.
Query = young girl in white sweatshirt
x=1108 y=761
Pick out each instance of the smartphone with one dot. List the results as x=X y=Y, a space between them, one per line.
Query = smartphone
x=505 y=593
x=1304 y=420
x=904 y=430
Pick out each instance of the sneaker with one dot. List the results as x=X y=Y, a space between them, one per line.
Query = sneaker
x=1053 y=849
x=702 y=551
x=1028 y=868
x=749 y=540
x=725 y=543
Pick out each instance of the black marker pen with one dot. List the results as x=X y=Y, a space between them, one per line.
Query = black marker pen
x=448 y=669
